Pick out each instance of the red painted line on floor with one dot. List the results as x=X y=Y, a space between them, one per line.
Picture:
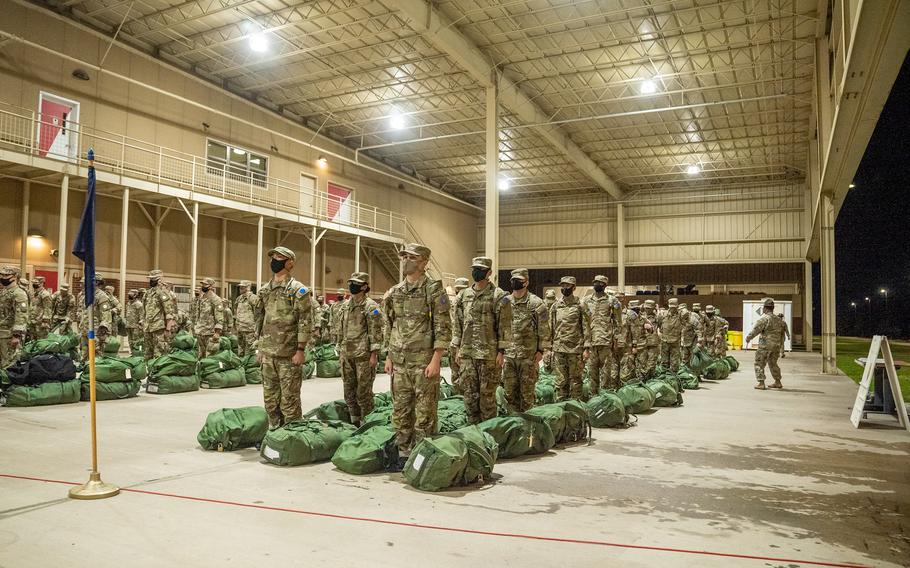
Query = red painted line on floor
x=456 y=529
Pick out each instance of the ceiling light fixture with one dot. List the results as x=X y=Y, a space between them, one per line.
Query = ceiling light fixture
x=648 y=87
x=396 y=120
x=322 y=162
x=258 y=42
x=693 y=170
x=504 y=184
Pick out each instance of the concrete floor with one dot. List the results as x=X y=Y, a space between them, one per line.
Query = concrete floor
x=778 y=475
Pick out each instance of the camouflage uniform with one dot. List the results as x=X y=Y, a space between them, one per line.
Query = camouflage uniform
x=482 y=330
x=783 y=345
x=116 y=313
x=549 y=300
x=570 y=324
x=245 y=307
x=720 y=335
x=13 y=316
x=606 y=316
x=770 y=332
x=286 y=325
x=228 y=326
x=689 y=336
x=459 y=285
x=648 y=345
x=104 y=318
x=360 y=336
x=209 y=321
x=157 y=311
x=530 y=336
x=64 y=309
x=627 y=339
x=134 y=313
x=334 y=314
x=41 y=314
x=26 y=287
x=417 y=323
x=670 y=326
x=172 y=298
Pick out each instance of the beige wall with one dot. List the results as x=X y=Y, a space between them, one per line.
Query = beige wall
x=114 y=105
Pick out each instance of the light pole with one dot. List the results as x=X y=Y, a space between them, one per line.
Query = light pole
x=855 y=322
x=884 y=292
x=869 y=306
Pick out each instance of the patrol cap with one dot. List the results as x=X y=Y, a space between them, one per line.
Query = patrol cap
x=649 y=303
x=520 y=273
x=416 y=249
x=781 y=316
x=245 y=284
x=673 y=302
x=551 y=294
x=567 y=280
x=461 y=283
x=207 y=282
x=709 y=309
x=696 y=306
x=683 y=305
x=155 y=273
x=360 y=278
x=601 y=278
x=9 y=270
x=283 y=251
x=64 y=286
x=39 y=279
x=482 y=262
x=99 y=277
x=633 y=303
x=108 y=288
x=769 y=302
x=24 y=281
x=134 y=292
x=340 y=291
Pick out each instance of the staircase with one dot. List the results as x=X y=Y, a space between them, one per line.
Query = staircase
x=388 y=259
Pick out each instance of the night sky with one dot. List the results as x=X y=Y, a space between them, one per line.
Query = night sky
x=872 y=233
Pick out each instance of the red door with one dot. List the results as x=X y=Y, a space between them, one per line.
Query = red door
x=50 y=279
x=57 y=119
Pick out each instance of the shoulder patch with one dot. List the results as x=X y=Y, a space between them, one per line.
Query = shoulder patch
x=505 y=300
x=444 y=299
x=301 y=291
x=375 y=311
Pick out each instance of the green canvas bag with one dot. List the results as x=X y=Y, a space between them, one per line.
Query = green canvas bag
x=436 y=463
x=664 y=393
x=179 y=363
x=184 y=341
x=221 y=361
x=223 y=379
x=607 y=410
x=372 y=448
x=111 y=370
x=64 y=344
x=252 y=370
x=732 y=363
x=717 y=371
x=304 y=441
x=636 y=398
x=43 y=394
x=110 y=391
x=482 y=453
x=451 y=414
x=332 y=410
x=687 y=378
x=519 y=435
x=568 y=420
x=231 y=429
x=172 y=384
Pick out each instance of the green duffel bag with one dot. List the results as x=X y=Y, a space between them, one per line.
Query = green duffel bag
x=381 y=416
x=451 y=414
x=636 y=398
x=436 y=463
x=332 y=410
x=370 y=449
x=607 y=410
x=111 y=391
x=671 y=380
x=112 y=346
x=235 y=343
x=184 y=342
x=111 y=370
x=664 y=393
x=717 y=371
x=176 y=363
x=326 y=352
x=382 y=400
x=252 y=370
x=732 y=363
x=304 y=441
x=519 y=435
x=137 y=364
x=482 y=453
x=568 y=420
x=544 y=392
x=687 y=378
x=699 y=360
x=172 y=384
x=223 y=379
x=64 y=344
x=329 y=369
x=221 y=361
x=446 y=389
x=308 y=371
x=43 y=394
x=231 y=429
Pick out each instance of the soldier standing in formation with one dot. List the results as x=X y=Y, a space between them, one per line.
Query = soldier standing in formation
x=13 y=315
x=530 y=339
x=286 y=326
x=770 y=332
x=459 y=285
x=570 y=324
x=720 y=334
x=159 y=317
x=669 y=326
x=228 y=327
x=711 y=325
x=103 y=315
x=359 y=343
x=687 y=334
x=134 y=312
x=482 y=332
x=649 y=346
x=418 y=329
x=605 y=312
x=116 y=312
x=245 y=308
x=209 y=323
x=627 y=340
x=42 y=310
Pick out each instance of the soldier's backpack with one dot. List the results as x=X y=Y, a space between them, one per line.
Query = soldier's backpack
x=370 y=449
x=332 y=410
x=607 y=410
x=687 y=378
x=568 y=420
x=664 y=393
x=447 y=460
x=51 y=367
x=43 y=394
x=732 y=363
x=109 y=391
x=717 y=371
x=519 y=435
x=636 y=398
x=231 y=429
x=304 y=441
x=65 y=343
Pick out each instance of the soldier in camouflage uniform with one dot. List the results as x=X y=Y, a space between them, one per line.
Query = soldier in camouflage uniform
x=459 y=285
x=530 y=339
x=209 y=324
x=360 y=340
x=159 y=317
x=334 y=311
x=26 y=287
x=13 y=315
x=134 y=312
x=286 y=325
x=783 y=345
x=63 y=308
x=228 y=327
x=117 y=313
x=770 y=332
x=606 y=317
x=649 y=344
x=720 y=334
x=549 y=300
x=418 y=330
x=709 y=330
x=670 y=327
x=570 y=324
x=629 y=338
x=245 y=307
x=482 y=331
x=41 y=311
x=103 y=315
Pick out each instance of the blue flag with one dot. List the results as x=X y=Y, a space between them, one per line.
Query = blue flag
x=84 y=247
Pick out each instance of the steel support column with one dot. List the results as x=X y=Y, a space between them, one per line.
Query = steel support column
x=259 y=257
x=194 y=247
x=491 y=216
x=313 y=244
x=829 y=317
x=124 y=234
x=357 y=254
x=61 y=246
x=808 y=330
x=26 y=200
x=620 y=247
x=225 y=293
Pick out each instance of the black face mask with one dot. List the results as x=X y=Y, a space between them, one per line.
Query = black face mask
x=354 y=288
x=205 y=289
x=277 y=265
x=517 y=284
x=479 y=274
x=153 y=283
x=599 y=288
x=6 y=281
x=36 y=286
x=566 y=292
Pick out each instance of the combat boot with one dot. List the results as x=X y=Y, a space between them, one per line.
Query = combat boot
x=760 y=385
x=776 y=385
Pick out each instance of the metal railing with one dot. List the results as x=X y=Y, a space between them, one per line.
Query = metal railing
x=123 y=155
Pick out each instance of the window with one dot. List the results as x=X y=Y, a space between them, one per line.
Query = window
x=239 y=164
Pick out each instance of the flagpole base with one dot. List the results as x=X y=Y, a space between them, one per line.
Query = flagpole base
x=94 y=488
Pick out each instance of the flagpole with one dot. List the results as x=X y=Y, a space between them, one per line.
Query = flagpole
x=94 y=488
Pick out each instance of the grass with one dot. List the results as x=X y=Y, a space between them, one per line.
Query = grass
x=851 y=348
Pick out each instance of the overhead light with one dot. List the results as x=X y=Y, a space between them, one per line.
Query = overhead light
x=693 y=170
x=80 y=74
x=258 y=42
x=648 y=87
x=504 y=184
x=396 y=120
x=35 y=234
x=852 y=185
x=322 y=162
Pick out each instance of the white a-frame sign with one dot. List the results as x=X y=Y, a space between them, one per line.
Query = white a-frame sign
x=879 y=345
